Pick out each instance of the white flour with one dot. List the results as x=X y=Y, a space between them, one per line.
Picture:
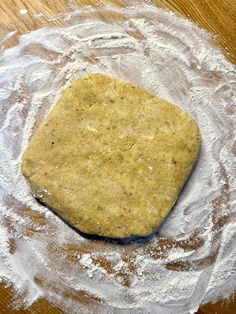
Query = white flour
x=191 y=260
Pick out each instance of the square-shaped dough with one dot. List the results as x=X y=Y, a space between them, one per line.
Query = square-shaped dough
x=111 y=158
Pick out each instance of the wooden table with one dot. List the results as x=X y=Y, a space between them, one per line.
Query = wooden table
x=217 y=16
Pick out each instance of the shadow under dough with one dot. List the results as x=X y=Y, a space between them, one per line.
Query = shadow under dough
x=124 y=241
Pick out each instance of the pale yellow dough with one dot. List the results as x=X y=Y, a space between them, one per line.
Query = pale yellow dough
x=110 y=158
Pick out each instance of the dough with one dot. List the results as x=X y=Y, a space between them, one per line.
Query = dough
x=111 y=158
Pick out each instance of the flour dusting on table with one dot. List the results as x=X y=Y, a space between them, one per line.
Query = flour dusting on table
x=191 y=259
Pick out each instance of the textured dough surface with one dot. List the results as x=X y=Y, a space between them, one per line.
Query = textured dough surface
x=110 y=158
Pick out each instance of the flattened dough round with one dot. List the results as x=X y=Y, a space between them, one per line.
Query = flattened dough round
x=110 y=158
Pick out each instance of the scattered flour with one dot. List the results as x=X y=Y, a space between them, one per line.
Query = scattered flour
x=23 y=11
x=191 y=260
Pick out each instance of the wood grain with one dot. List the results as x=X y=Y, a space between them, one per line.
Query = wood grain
x=217 y=16
x=7 y=304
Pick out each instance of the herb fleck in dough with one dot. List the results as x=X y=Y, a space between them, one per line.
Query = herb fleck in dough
x=111 y=158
